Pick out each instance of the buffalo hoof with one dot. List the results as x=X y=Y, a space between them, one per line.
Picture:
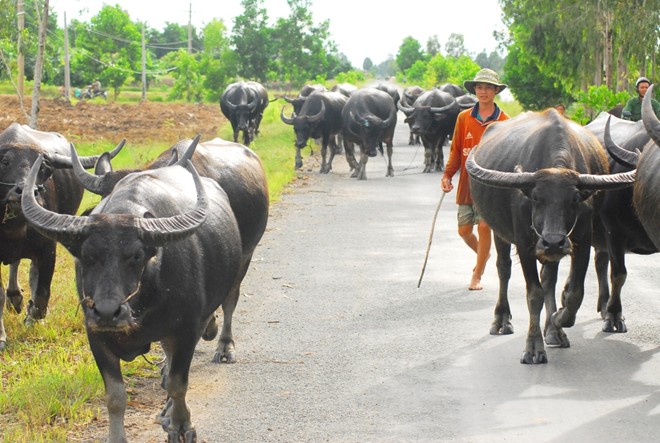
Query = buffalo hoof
x=189 y=436
x=556 y=337
x=33 y=314
x=3 y=345
x=614 y=325
x=372 y=152
x=428 y=168
x=324 y=169
x=501 y=329
x=15 y=300
x=299 y=165
x=224 y=357
x=533 y=358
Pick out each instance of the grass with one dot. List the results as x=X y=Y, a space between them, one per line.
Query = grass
x=50 y=387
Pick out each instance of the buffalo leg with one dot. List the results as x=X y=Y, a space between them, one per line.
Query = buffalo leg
x=3 y=298
x=574 y=289
x=390 y=168
x=439 y=155
x=549 y=284
x=14 y=291
x=225 y=350
x=299 y=162
x=361 y=171
x=177 y=421
x=349 y=149
x=428 y=156
x=614 y=321
x=502 y=322
x=534 y=352
x=325 y=168
x=41 y=276
x=115 y=391
x=601 y=263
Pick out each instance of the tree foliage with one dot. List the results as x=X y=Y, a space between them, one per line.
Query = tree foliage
x=410 y=51
x=576 y=45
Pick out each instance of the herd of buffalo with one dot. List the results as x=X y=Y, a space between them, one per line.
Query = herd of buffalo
x=171 y=242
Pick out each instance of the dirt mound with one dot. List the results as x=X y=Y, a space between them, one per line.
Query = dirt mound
x=96 y=120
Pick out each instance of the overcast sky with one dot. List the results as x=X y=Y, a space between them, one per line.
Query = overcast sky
x=360 y=28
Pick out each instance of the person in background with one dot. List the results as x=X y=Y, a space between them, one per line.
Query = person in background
x=560 y=108
x=470 y=126
x=633 y=109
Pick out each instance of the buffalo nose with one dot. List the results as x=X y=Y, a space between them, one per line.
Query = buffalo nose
x=107 y=312
x=556 y=244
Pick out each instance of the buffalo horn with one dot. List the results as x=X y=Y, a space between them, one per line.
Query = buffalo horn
x=390 y=119
x=623 y=156
x=651 y=122
x=606 y=182
x=158 y=231
x=435 y=110
x=64 y=227
x=408 y=110
x=63 y=161
x=318 y=116
x=183 y=161
x=91 y=182
x=499 y=179
x=287 y=120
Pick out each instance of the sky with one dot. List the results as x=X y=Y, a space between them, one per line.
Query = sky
x=360 y=28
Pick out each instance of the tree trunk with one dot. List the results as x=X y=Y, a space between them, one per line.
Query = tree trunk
x=39 y=65
x=622 y=80
x=607 y=55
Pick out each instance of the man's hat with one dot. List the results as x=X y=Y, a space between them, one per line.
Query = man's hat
x=484 y=76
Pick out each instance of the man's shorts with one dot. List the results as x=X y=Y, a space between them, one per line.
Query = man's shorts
x=468 y=215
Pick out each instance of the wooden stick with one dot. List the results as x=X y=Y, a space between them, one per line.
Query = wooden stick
x=428 y=247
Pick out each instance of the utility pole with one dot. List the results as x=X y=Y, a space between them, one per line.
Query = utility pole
x=20 y=16
x=39 y=67
x=190 y=29
x=144 y=67
x=67 y=68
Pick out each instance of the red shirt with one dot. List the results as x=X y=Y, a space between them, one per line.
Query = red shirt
x=467 y=134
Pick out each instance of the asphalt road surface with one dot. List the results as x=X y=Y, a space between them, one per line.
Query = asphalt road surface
x=335 y=342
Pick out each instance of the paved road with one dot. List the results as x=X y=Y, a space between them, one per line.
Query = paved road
x=336 y=343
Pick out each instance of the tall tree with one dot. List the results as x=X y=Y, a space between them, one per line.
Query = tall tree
x=218 y=61
x=433 y=46
x=455 y=46
x=410 y=51
x=252 y=42
x=108 y=48
x=303 y=47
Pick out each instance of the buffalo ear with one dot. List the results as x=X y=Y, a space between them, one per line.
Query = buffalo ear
x=584 y=195
x=103 y=164
x=45 y=171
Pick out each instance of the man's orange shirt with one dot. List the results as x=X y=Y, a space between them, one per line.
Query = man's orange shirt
x=467 y=134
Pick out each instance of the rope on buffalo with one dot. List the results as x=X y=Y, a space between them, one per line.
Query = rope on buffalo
x=428 y=247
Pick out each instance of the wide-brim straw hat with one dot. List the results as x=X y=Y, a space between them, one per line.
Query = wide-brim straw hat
x=484 y=76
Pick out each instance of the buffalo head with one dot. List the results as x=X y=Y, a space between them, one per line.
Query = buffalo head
x=555 y=195
x=112 y=250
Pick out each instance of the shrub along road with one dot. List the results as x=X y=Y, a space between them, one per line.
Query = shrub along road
x=336 y=343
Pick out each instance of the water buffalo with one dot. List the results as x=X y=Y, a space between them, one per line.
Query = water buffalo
x=344 y=88
x=239 y=172
x=617 y=230
x=319 y=117
x=243 y=103
x=433 y=117
x=390 y=89
x=646 y=195
x=407 y=99
x=305 y=91
x=369 y=119
x=453 y=89
x=154 y=260
x=57 y=189
x=533 y=180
